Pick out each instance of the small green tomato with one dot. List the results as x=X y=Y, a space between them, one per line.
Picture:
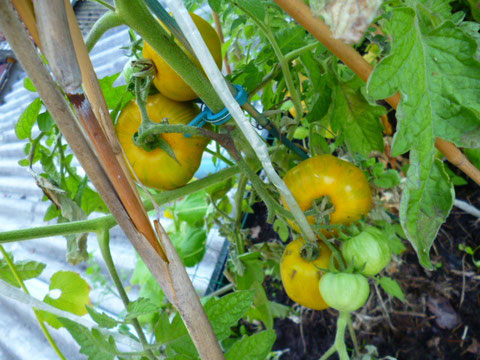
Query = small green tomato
x=343 y=291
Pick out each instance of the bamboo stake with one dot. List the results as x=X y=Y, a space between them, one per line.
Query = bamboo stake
x=58 y=48
x=171 y=274
x=25 y=9
x=300 y=12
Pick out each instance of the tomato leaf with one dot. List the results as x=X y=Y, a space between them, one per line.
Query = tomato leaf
x=190 y=244
x=74 y=295
x=357 y=120
x=439 y=87
x=115 y=96
x=149 y=287
x=391 y=287
x=102 y=319
x=439 y=82
x=141 y=306
x=225 y=312
x=26 y=269
x=253 y=347
x=23 y=128
x=426 y=202
x=92 y=343
x=192 y=209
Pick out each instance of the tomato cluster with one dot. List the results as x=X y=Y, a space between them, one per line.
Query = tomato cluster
x=366 y=253
x=156 y=168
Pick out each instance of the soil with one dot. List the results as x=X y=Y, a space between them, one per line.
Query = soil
x=440 y=318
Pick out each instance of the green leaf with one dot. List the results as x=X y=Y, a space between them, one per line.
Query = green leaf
x=28 y=84
x=45 y=121
x=474 y=156
x=23 y=128
x=141 y=306
x=255 y=347
x=475 y=7
x=388 y=179
x=391 y=287
x=91 y=343
x=149 y=287
x=255 y=7
x=225 y=312
x=190 y=244
x=439 y=82
x=26 y=269
x=115 y=96
x=192 y=209
x=74 y=295
x=426 y=202
x=102 y=319
x=357 y=120
x=216 y=5
x=175 y=334
x=290 y=39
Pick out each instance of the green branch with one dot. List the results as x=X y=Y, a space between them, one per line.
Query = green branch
x=106 y=222
x=108 y=21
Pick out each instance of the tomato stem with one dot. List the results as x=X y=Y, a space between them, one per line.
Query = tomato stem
x=108 y=21
x=339 y=343
x=103 y=238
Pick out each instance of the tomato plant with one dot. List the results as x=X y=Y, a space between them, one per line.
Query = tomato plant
x=156 y=168
x=167 y=81
x=317 y=103
x=325 y=175
x=368 y=251
x=300 y=276
x=344 y=291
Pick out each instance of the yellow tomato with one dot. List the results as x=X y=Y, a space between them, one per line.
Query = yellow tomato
x=301 y=277
x=156 y=169
x=322 y=175
x=167 y=81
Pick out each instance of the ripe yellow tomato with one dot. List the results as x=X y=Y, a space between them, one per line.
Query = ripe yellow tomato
x=156 y=169
x=301 y=278
x=345 y=184
x=167 y=81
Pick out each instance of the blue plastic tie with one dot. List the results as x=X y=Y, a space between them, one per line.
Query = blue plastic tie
x=221 y=117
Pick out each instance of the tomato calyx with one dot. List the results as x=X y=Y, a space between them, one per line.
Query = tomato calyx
x=310 y=251
x=321 y=210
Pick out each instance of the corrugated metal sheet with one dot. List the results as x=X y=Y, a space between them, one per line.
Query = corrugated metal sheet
x=21 y=207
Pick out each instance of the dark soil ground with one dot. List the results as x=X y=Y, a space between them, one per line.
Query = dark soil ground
x=439 y=320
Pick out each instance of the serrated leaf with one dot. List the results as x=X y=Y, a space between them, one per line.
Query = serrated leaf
x=23 y=128
x=102 y=319
x=255 y=347
x=26 y=269
x=356 y=119
x=149 y=286
x=439 y=81
x=388 y=179
x=391 y=287
x=225 y=312
x=74 y=296
x=91 y=344
x=141 y=306
x=426 y=202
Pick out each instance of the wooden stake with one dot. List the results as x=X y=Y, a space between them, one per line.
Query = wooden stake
x=300 y=12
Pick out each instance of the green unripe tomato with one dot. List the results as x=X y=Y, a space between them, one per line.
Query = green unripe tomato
x=343 y=291
x=368 y=251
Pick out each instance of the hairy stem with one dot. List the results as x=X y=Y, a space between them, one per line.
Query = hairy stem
x=108 y=21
